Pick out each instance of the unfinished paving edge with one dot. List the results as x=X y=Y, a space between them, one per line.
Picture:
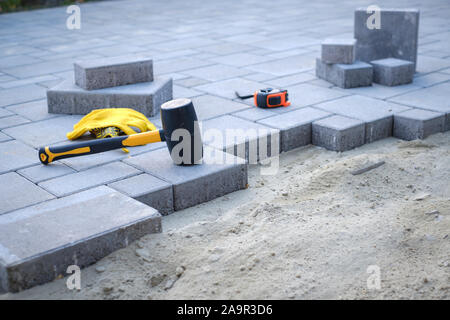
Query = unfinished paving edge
x=418 y=124
x=148 y=189
x=245 y=139
x=219 y=174
x=295 y=126
x=338 y=133
x=39 y=242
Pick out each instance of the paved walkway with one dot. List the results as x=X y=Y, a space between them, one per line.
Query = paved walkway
x=210 y=48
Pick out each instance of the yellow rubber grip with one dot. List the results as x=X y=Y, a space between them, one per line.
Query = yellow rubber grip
x=140 y=139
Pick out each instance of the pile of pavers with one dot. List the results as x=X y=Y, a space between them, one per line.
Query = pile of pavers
x=386 y=55
x=117 y=82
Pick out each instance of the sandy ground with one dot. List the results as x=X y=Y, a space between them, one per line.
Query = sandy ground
x=309 y=232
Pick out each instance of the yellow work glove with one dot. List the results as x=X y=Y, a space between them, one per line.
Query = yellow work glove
x=122 y=118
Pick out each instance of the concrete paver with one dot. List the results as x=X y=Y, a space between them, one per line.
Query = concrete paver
x=40 y=242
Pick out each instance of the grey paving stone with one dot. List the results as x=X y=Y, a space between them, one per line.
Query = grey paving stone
x=23 y=82
x=248 y=140
x=50 y=84
x=434 y=98
x=195 y=184
x=418 y=124
x=357 y=74
x=177 y=65
x=427 y=64
x=190 y=82
x=446 y=71
x=115 y=50
x=282 y=43
x=98 y=159
x=286 y=66
x=145 y=97
x=338 y=133
x=291 y=80
x=306 y=94
x=16 y=49
x=93 y=160
x=392 y=72
x=217 y=72
x=182 y=92
x=254 y=114
x=380 y=92
x=41 y=241
x=208 y=106
x=4 y=137
x=12 y=121
x=40 y=68
x=148 y=189
x=289 y=53
x=245 y=38
x=433 y=53
x=35 y=110
x=259 y=76
x=430 y=79
x=21 y=94
x=42 y=133
x=397 y=37
x=227 y=88
x=5 y=79
x=80 y=181
x=17 y=192
x=335 y=50
x=295 y=126
x=41 y=173
x=112 y=72
x=376 y=114
x=321 y=83
x=225 y=48
x=191 y=42
x=15 y=155
x=5 y=113
x=17 y=60
x=241 y=59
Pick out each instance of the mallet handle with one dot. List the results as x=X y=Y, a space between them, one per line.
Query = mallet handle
x=50 y=154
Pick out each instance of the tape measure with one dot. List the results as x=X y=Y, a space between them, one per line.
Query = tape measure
x=268 y=98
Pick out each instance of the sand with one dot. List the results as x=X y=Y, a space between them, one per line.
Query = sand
x=312 y=231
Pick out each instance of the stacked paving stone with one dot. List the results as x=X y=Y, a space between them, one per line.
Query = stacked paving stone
x=118 y=82
x=385 y=55
x=392 y=72
x=338 y=66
